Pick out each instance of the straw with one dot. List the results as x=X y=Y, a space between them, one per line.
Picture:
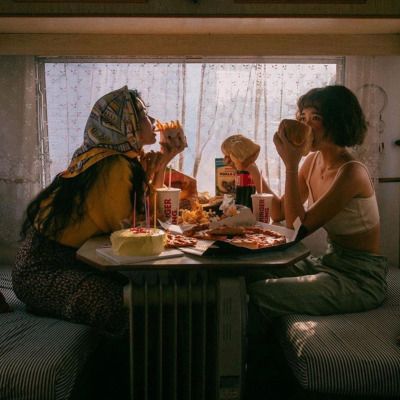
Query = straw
x=170 y=177
x=261 y=185
x=155 y=210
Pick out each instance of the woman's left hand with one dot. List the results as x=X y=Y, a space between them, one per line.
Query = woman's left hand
x=290 y=154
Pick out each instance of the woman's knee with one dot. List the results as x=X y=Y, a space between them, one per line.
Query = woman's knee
x=99 y=303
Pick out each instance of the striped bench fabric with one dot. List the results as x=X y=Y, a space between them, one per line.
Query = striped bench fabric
x=349 y=354
x=40 y=358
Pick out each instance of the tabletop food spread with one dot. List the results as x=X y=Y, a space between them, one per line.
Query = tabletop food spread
x=201 y=231
x=236 y=227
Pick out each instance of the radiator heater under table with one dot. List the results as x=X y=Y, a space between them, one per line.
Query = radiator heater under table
x=187 y=335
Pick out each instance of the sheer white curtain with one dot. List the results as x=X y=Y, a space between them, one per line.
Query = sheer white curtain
x=73 y=88
x=360 y=78
x=213 y=101
x=250 y=99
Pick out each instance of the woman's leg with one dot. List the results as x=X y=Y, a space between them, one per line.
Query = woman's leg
x=49 y=279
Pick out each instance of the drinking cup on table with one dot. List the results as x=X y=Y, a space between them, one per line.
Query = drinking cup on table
x=168 y=204
x=262 y=206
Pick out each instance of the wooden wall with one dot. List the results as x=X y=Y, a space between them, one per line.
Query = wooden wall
x=163 y=45
x=339 y=8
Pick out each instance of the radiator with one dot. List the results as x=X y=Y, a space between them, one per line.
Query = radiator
x=187 y=333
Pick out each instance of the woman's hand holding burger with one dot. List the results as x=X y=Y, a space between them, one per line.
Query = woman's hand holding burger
x=239 y=151
x=293 y=141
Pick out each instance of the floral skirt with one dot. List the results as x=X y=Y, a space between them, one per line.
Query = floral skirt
x=49 y=279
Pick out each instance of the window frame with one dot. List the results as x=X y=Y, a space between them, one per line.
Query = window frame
x=42 y=123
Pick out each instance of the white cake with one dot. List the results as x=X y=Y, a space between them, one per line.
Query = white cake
x=138 y=242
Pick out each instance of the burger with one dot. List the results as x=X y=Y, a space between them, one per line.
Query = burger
x=298 y=134
x=241 y=150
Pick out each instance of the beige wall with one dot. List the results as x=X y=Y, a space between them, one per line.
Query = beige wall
x=19 y=151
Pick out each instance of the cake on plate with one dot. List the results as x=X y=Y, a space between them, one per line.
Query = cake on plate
x=138 y=242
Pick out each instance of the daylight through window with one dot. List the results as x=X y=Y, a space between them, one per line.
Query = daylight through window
x=212 y=100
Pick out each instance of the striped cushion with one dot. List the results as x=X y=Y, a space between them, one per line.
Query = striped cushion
x=347 y=354
x=40 y=358
x=6 y=289
x=4 y=307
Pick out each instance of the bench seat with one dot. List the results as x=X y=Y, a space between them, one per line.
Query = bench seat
x=350 y=354
x=40 y=358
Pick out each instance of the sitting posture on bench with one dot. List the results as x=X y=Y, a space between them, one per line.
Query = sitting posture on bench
x=351 y=276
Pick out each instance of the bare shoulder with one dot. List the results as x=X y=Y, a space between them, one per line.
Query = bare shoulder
x=356 y=174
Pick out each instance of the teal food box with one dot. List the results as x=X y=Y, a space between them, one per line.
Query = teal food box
x=225 y=177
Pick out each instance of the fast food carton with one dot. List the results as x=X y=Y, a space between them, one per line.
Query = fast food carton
x=225 y=178
x=186 y=183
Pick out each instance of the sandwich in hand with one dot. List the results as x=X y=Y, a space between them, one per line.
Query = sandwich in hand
x=298 y=134
x=241 y=150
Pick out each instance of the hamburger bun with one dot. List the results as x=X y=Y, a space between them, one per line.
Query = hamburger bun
x=298 y=134
x=241 y=150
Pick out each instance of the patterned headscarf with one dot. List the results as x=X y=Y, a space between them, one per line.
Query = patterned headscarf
x=111 y=129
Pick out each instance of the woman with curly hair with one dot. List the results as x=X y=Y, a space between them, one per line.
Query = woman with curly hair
x=340 y=198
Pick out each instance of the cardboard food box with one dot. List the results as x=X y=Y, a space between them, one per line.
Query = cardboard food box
x=186 y=183
x=225 y=178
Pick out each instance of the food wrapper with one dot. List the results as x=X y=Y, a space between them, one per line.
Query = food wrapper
x=228 y=206
x=235 y=215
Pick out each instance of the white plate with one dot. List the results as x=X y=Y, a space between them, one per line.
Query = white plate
x=107 y=252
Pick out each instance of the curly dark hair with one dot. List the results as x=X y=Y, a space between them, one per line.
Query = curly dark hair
x=68 y=204
x=343 y=118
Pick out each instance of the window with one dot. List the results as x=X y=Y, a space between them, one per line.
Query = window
x=213 y=100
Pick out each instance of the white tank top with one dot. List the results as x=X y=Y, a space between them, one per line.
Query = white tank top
x=359 y=215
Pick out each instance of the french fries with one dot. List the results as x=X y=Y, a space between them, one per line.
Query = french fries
x=168 y=125
x=195 y=216
x=171 y=134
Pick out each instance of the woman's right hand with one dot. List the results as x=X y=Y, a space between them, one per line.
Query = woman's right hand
x=172 y=139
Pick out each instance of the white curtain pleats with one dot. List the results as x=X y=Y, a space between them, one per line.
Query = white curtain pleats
x=360 y=78
x=212 y=100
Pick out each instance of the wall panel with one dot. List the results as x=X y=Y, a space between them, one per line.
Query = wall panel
x=198 y=45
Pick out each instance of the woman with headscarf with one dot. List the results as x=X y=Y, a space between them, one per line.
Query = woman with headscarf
x=93 y=196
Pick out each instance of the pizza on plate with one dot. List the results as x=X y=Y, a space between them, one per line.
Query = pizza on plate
x=177 y=240
x=257 y=238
